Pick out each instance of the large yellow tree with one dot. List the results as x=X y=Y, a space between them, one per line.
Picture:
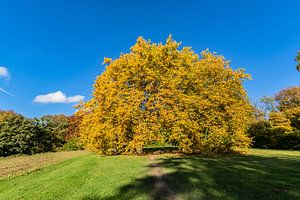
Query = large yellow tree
x=168 y=94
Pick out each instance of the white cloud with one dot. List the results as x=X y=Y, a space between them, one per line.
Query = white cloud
x=4 y=73
x=75 y=98
x=57 y=97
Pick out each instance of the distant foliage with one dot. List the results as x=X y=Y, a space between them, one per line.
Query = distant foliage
x=73 y=144
x=55 y=126
x=281 y=129
x=279 y=122
x=73 y=130
x=288 y=98
x=73 y=141
x=297 y=59
x=266 y=137
x=166 y=94
x=293 y=114
x=19 y=135
x=267 y=105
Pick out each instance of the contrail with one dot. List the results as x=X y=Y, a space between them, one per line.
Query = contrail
x=2 y=90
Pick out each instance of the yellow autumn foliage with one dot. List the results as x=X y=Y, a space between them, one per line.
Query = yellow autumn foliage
x=167 y=94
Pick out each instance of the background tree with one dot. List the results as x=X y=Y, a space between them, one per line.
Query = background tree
x=293 y=114
x=19 y=135
x=160 y=93
x=5 y=114
x=281 y=130
x=267 y=104
x=288 y=98
x=297 y=59
x=55 y=126
x=73 y=126
x=279 y=122
x=72 y=138
x=289 y=103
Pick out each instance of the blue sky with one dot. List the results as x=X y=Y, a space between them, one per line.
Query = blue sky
x=51 y=46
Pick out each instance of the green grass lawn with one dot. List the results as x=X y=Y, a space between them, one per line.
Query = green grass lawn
x=84 y=177
x=261 y=174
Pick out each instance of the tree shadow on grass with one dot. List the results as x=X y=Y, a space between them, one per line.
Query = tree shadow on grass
x=229 y=177
x=138 y=189
x=234 y=177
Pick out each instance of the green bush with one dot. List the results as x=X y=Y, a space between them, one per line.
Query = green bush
x=56 y=127
x=73 y=144
x=259 y=131
x=19 y=135
x=289 y=141
x=266 y=136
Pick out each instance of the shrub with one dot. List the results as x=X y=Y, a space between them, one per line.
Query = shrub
x=19 y=135
x=73 y=144
x=264 y=136
x=259 y=130
x=56 y=127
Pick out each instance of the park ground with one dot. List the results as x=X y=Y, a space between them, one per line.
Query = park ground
x=259 y=174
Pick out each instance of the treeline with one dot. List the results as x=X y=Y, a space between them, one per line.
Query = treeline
x=276 y=123
x=21 y=135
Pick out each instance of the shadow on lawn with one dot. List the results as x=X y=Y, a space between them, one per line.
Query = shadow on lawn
x=229 y=177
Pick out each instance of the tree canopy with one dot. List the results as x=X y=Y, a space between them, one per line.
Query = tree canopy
x=168 y=94
x=267 y=105
x=281 y=128
x=279 y=121
x=21 y=135
x=288 y=98
x=297 y=59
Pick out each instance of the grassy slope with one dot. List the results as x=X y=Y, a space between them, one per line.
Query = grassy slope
x=262 y=174
x=88 y=177
x=18 y=165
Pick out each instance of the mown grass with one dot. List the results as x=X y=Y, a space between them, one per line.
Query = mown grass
x=85 y=177
x=260 y=174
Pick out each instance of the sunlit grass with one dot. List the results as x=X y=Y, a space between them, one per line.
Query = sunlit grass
x=259 y=174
